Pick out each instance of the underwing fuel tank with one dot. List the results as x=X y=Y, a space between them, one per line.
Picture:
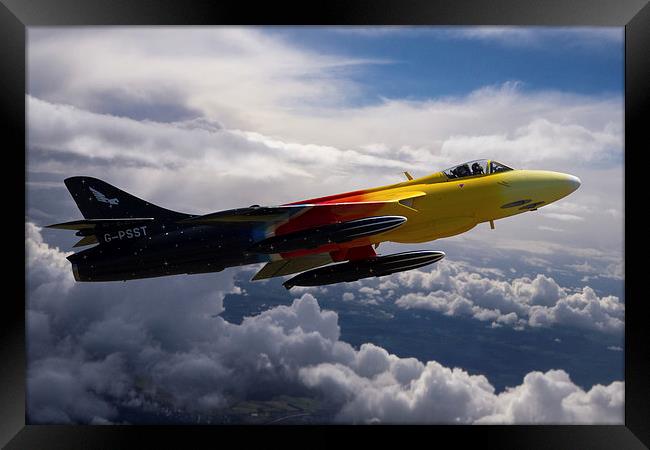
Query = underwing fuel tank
x=365 y=268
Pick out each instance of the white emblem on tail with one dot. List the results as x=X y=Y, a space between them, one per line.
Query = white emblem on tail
x=102 y=198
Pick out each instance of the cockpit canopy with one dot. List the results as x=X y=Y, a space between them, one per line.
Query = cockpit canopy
x=474 y=168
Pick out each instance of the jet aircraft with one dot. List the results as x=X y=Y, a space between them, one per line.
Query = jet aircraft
x=324 y=240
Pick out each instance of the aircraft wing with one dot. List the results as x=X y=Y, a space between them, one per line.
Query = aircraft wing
x=394 y=203
x=94 y=223
x=250 y=214
x=289 y=266
x=89 y=227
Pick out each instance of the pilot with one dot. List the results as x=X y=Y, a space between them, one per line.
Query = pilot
x=462 y=171
x=477 y=169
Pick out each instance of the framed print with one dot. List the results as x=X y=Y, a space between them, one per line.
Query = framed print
x=405 y=216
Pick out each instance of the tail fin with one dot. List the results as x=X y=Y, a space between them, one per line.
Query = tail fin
x=97 y=199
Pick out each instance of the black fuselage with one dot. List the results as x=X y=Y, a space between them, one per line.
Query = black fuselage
x=159 y=248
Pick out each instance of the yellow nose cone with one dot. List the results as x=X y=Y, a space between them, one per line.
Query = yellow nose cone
x=573 y=182
x=563 y=184
x=551 y=186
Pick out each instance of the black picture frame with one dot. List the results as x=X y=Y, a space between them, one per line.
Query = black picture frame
x=16 y=15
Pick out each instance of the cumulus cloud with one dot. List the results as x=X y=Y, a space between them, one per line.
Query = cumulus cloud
x=552 y=398
x=412 y=392
x=44 y=264
x=539 y=140
x=120 y=349
x=455 y=289
x=71 y=390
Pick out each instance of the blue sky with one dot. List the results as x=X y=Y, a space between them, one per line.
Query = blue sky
x=205 y=119
x=425 y=62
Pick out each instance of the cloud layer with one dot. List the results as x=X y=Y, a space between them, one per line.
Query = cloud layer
x=251 y=80
x=92 y=355
x=455 y=288
x=407 y=391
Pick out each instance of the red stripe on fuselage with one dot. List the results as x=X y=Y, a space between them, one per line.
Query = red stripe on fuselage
x=323 y=215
